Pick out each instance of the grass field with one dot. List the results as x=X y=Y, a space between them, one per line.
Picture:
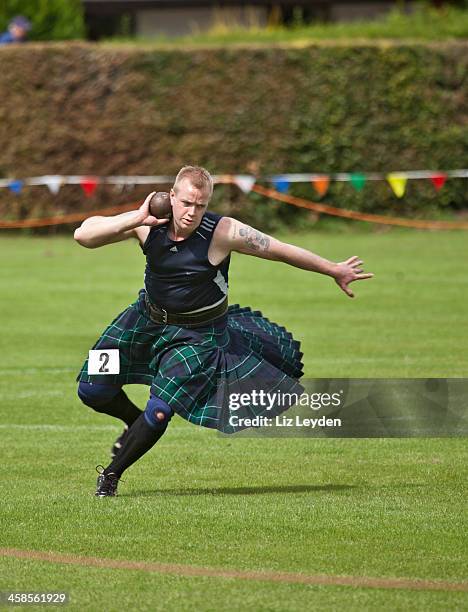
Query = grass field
x=361 y=508
x=424 y=23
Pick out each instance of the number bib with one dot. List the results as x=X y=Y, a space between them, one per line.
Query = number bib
x=104 y=361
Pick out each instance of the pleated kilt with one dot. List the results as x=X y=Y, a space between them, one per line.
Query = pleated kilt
x=199 y=371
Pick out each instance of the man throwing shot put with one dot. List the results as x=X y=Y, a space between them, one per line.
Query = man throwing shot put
x=180 y=337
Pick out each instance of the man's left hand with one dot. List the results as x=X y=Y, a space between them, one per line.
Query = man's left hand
x=348 y=271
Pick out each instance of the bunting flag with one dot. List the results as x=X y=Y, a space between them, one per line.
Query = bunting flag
x=358 y=181
x=124 y=187
x=398 y=183
x=16 y=186
x=281 y=183
x=89 y=185
x=245 y=182
x=53 y=182
x=438 y=180
x=321 y=185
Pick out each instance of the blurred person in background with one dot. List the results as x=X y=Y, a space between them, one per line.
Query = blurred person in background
x=18 y=30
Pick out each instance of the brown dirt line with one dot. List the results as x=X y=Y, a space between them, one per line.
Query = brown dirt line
x=212 y=572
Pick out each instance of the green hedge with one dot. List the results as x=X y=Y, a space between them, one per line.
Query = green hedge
x=94 y=109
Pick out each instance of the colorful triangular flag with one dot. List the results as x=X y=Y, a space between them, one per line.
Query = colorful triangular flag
x=16 y=186
x=245 y=182
x=438 y=180
x=358 y=181
x=124 y=187
x=280 y=183
x=321 y=185
x=53 y=182
x=398 y=184
x=89 y=185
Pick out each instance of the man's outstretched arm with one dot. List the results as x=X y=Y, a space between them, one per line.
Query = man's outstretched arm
x=239 y=237
x=95 y=232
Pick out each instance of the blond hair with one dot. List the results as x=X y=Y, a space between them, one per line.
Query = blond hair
x=199 y=177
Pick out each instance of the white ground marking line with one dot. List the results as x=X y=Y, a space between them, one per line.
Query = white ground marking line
x=71 y=428
x=32 y=393
x=175 y=431
x=37 y=370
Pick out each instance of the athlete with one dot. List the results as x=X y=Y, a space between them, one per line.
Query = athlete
x=180 y=337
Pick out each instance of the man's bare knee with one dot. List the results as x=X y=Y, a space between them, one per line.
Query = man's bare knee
x=160 y=416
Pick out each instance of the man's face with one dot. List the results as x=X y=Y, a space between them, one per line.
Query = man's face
x=188 y=205
x=17 y=32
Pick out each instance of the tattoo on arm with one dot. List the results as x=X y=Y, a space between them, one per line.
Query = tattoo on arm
x=254 y=239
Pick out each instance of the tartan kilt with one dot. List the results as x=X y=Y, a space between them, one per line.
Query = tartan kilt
x=196 y=371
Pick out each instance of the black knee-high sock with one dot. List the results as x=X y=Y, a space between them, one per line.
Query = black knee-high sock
x=140 y=438
x=121 y=407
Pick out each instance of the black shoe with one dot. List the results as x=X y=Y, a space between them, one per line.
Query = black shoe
x=106 y=483
x=119 y=442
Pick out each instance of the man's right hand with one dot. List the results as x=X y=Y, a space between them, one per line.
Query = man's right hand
x=95 y=231
x=146 y=217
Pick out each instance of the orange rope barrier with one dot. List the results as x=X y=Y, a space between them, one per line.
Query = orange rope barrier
x=72 y=218
x=265 y=191
x=352 y=214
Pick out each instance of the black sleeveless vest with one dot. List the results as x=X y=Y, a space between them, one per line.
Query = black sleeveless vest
x=178 y=275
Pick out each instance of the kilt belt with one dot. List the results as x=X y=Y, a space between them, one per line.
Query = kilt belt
x=162 y=317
